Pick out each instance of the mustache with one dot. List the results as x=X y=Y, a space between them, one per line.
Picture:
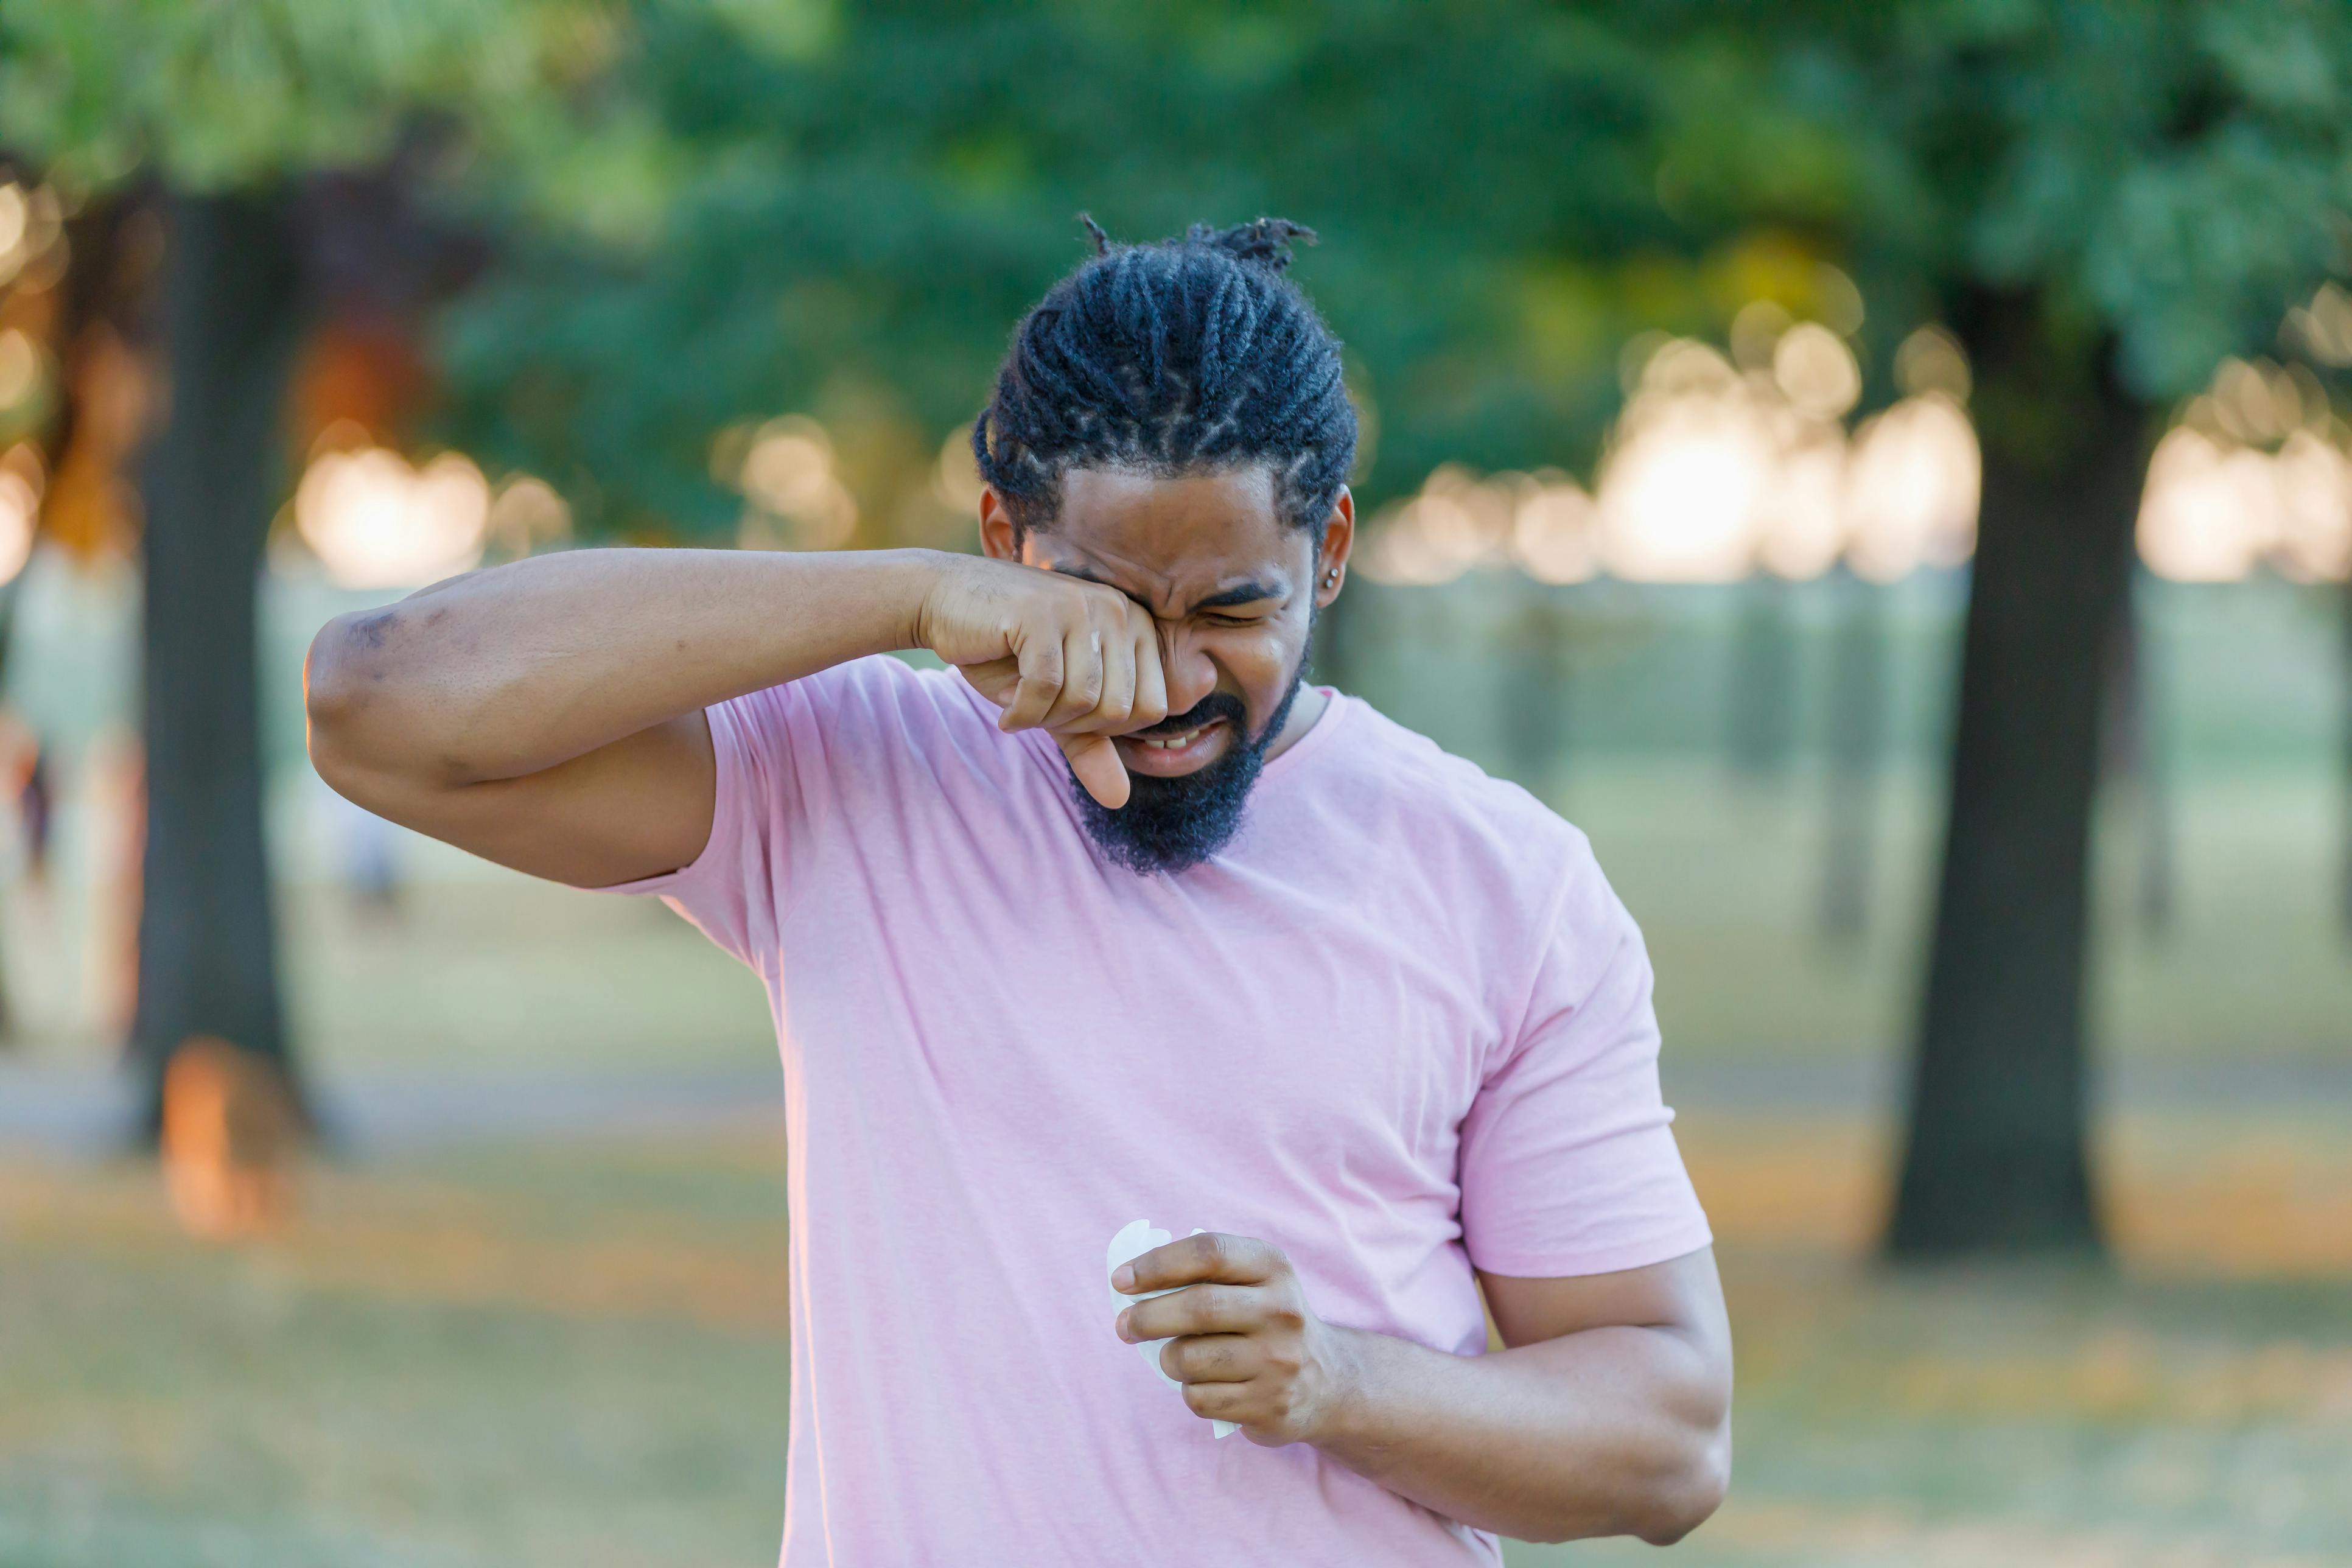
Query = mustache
x=1215 y=705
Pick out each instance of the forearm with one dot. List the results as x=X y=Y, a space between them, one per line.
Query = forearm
x=508 y=671
x=1611 y=1431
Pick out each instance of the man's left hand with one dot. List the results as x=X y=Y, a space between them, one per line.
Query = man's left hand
x=1243 y=1341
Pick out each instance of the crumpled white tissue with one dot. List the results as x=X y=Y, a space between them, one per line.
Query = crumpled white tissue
x=1136 y=1238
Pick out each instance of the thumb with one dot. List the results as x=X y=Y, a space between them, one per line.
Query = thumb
x=996 y=679
x=1095 y=762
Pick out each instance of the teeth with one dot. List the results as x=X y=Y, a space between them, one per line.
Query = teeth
x=1172 y=743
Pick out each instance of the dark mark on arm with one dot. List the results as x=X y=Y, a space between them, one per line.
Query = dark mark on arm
x=369 y=631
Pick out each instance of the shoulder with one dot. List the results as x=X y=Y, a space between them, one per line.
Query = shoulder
x=1434 y=845
x=1404 y=791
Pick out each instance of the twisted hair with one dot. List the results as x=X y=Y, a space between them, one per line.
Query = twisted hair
x=1192 y=353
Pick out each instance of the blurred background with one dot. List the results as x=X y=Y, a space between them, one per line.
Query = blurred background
x=1882 y=471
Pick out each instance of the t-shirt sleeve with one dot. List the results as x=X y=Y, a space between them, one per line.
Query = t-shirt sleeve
x=1569 y=1162
x=729 y=891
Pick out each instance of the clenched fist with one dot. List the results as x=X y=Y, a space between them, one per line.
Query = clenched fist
x=1076 y=658
x=1243 y=1341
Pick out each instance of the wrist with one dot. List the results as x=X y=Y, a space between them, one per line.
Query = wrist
x=1342 y=1420
x=914 y=577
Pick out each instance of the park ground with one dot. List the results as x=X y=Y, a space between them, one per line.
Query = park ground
x=533 y=1312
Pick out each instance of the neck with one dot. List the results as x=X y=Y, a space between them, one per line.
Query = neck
x=1305 y=708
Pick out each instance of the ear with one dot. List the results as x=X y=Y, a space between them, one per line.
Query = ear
x=1338 y=542
x=996 y=530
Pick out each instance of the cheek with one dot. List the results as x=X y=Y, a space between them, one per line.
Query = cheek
x=1259 y=662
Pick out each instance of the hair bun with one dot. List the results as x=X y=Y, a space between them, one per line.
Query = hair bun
x=1266 y=241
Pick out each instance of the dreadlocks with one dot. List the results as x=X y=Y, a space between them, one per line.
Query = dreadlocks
x=1194 y=352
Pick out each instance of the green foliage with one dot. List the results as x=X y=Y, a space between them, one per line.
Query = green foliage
x=868 y=222
x=213 y=94
x=2174 y=175
x=709 y=211
x=224 y=95
x=1505 y=193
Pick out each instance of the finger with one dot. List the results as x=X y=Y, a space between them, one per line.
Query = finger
x=1118 y=698
x=1212 y=1358
x=1041 y=683
x=1150 y=703
x=1082 y=679
x=995 y=678
x=1221 y=1401
x=1095 y=762
x=1211 y=1254
x=1196 y=1310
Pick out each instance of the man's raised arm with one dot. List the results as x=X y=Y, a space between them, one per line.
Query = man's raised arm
x=548 y=714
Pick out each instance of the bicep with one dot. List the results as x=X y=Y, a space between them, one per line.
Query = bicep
x=637 y=807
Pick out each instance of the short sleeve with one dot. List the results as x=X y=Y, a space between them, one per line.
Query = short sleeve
x=729 y=890
x=1569 y=1161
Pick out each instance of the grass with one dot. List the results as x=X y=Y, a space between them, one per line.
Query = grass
x=574 y=1353
x=2191 y=1405
x=564 y=1355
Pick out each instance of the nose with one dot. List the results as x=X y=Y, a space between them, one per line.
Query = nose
x=1189 y=671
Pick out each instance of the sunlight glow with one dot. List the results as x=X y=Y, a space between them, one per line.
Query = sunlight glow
x=1720 y=466
x=1911 y=494
x=376 y=522
x=2215 y=510
x=794 y=498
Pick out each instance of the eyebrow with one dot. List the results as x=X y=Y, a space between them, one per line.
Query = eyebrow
x=1249 y=593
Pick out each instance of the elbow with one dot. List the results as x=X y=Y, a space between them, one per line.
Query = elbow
x=342 y=676
x=1688 y=1496
x=1671 y=1495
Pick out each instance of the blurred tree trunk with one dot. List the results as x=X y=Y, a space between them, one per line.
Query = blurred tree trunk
x=2344 y=699
x=1535 y=696
x=1996 y=1158
x=207 y=949
x=1762 y=735
x=1857 y=700
x=2138 y=756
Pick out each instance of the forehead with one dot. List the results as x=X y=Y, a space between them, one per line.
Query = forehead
x=1160 y=533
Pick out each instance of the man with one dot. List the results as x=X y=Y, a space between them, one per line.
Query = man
x=1116 y=934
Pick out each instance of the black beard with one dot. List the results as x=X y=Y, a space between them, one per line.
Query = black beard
x=1171 y=825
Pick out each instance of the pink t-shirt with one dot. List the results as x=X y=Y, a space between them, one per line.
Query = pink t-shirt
x=1399 y=1027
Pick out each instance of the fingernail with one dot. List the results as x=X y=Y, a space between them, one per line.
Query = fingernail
x=1122 y=1329
x=1122 y=1277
